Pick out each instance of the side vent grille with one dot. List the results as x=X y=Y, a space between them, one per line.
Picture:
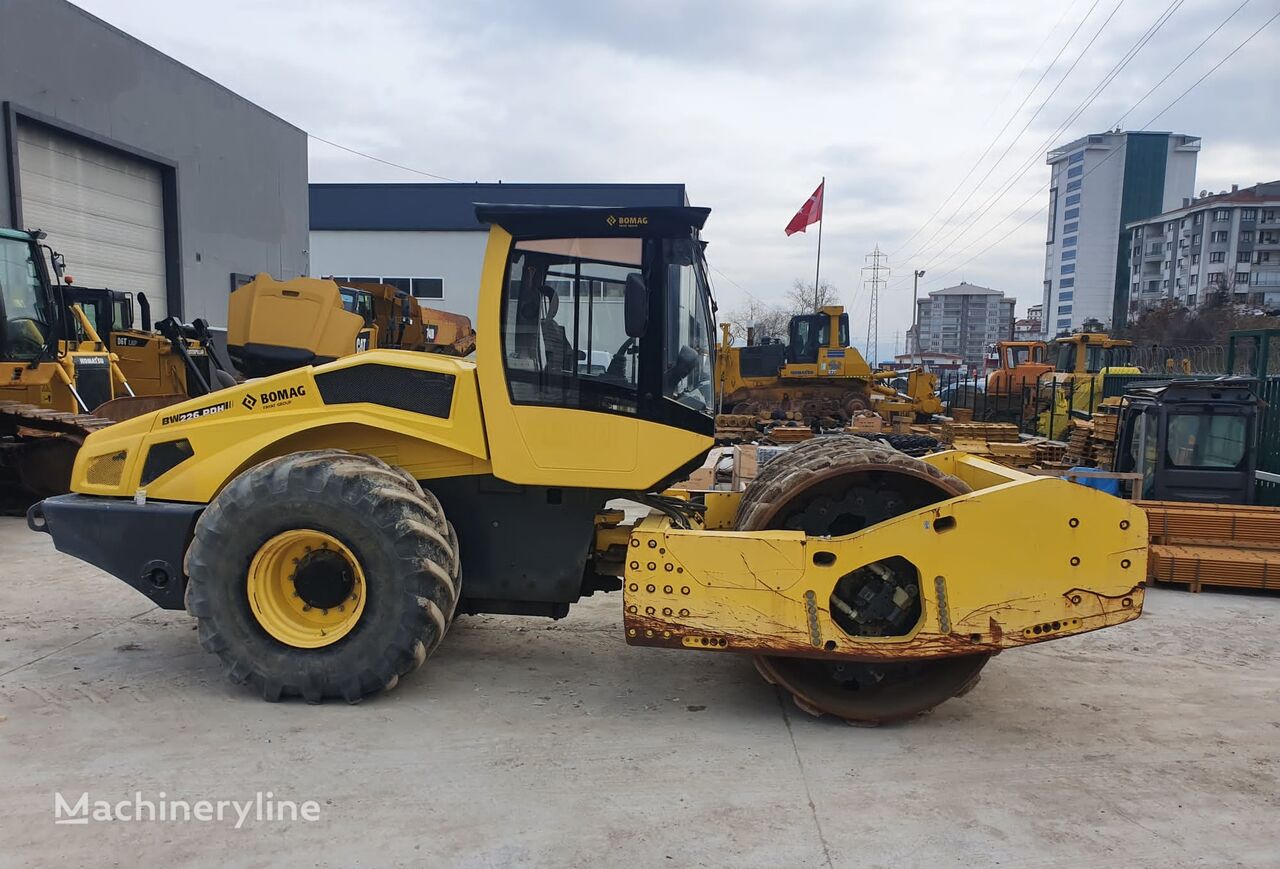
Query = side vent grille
x=107 y=469
x=426 y=392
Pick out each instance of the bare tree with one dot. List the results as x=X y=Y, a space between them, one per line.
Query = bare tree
x=774 y=320
x=801 y=298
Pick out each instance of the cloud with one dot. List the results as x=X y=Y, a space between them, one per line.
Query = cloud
x=749 y=103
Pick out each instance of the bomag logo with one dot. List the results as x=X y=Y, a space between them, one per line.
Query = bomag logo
x=275 y=397
x=626 y=221
x=196 y=414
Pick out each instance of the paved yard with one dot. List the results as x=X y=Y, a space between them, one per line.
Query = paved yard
x=528 y=742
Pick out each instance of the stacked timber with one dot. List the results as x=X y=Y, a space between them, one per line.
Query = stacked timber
x=991 y=432
x=789 y=434
x=1080 y=443
x=734 y=428
x=1197 y=544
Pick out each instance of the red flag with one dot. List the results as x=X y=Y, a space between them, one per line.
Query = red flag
x=809 y=213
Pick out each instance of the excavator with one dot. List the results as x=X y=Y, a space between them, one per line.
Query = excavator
x=275 y=326
x=325 y=525
x=816 y=376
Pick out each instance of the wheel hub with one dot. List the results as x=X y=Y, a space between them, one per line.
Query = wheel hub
x=306 y=589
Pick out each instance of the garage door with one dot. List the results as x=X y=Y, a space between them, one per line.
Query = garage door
x=103 y=210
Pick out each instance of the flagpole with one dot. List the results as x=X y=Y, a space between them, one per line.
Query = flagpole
x=817 y=272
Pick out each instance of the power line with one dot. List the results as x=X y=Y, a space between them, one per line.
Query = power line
x=1021 y=132
x=380 y=160
x=1211 y=70
x=1189 y=55
x=1009 y=120
x=988 y=204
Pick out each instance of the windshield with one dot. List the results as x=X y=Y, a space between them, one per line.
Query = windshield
x=1206 y=440
x=1067 y=357
x=26 y=320
x=358 y=302
x=1015 y=356
x=688 y=366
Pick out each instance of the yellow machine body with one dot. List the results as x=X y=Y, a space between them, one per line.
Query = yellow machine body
x=524 y=467
x=769 y=591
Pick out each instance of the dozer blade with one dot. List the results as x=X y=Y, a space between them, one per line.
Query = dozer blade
x=872 y=586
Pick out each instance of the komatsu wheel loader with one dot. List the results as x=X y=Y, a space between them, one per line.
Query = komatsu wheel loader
x=324 y=526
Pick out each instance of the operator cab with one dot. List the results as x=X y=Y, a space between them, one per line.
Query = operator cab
x=357 y=302
x=1096 y=355
x=608 y=310
x=810 y=333
x=24 y=298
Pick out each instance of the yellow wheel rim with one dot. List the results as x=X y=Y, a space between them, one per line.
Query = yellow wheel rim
x=306 y=588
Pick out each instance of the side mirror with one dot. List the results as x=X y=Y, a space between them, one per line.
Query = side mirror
x=636 y=306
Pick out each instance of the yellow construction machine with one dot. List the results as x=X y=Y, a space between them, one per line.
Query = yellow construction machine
x=274 y=326
x=816 y=377
x=325 y=525
x=1076 y=384
x=56 y=372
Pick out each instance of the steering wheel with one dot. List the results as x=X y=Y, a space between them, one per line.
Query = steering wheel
x=618 y=363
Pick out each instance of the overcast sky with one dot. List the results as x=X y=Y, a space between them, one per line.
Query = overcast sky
x=749 y=103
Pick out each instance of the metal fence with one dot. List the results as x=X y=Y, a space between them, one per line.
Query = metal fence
x=1046 y=409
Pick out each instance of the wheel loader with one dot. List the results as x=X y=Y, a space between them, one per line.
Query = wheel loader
x=273 y=326
x=326 y=525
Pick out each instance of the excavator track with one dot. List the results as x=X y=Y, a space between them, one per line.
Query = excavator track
x=38 y=446
x=840 y=485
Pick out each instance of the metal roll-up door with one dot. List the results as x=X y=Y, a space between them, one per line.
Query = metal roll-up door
x=103 y=210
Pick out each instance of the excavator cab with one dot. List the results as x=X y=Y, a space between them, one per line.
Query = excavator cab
x=810 y=334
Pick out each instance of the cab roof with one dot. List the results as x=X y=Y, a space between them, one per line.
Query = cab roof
x=589 y=221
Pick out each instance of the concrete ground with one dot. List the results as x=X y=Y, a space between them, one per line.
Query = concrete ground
x=528 y=742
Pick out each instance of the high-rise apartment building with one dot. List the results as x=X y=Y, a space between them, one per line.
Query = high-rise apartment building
x=1099 y=184
x=965 y=320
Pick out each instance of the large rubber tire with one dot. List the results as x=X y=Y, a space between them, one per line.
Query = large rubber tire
x=780 y=478
x=407 y=552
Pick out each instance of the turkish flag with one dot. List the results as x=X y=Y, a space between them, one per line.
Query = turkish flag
x=809 y=213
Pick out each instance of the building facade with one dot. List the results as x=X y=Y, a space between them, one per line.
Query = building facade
x=146 y=175
x=1099 y=184
x=964 y=320
x=425 y=238
x=1030 y=327
x=1224 y=246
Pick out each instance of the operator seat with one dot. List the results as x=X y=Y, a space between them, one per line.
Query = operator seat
x=559 y=351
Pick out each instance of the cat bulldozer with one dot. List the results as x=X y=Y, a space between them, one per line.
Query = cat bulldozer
x=816 y=377
x=324 y=526
x=275 y=326
x=169 y=362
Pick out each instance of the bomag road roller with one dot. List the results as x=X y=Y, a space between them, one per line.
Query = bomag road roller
x=325 y=525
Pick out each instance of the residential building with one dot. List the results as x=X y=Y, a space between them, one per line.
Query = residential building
x=964 y=320
x=1099 y=184
x=1225 y=243
x=146 y=175
x=1030 y=327
x=425 y=238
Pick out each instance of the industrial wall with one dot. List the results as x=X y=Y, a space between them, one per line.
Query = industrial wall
x=227 y=179
x=454 y=257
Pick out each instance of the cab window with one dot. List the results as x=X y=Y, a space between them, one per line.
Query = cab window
x=1066 y=357
x=358 y=302
x=563 y=323
x=1206 y=440
x=688 y=366
x=26 y=321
